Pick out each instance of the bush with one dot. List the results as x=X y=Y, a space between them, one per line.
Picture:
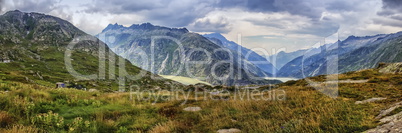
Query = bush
x=78 y=125
x=49 y=121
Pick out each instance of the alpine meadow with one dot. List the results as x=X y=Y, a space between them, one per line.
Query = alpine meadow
x=181 y=66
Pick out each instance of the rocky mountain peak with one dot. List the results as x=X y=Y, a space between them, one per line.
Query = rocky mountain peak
x=144 y=26
x=113 y=27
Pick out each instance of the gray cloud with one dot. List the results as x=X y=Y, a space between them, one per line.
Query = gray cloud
x=341 y=6
x=122 y=6
x=1 y=5
x=297 y=7
x=170 y=13
x=52 y=7
x=322 y=29
x=300 y=7
x=44 y=6
x=394 y=23
x=181 y=13
x=391 y=9
x=255 y=5
x=178 y=13
x=392 y=4
x=221 y=25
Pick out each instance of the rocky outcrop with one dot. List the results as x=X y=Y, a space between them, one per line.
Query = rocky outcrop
x=393 y=68
x=390 y=124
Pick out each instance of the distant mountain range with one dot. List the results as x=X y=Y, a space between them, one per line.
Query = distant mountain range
x=282 y=58
x=33 y=50
x=135 y=43
x=33 y=47
x=353 y=53
x=249 y=55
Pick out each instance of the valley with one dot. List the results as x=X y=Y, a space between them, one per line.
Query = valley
x=145 y=77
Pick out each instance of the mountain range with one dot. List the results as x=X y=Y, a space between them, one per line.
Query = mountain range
x=351 y=54
x=33 y=49
x=170 y=51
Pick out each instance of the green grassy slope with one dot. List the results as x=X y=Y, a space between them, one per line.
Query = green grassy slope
x=36 y=45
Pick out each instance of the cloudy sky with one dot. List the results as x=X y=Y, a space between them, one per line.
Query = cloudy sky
x=269 y=24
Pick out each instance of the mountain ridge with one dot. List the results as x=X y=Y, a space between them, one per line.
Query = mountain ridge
x=354 y=53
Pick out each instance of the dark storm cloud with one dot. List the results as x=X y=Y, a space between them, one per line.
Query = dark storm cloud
x=249 y=5
x=1 y=4
x=340 y=6
x=392 y=4
x=297 y=7
x=122 y=6
x=391 y=9
x=300 y=7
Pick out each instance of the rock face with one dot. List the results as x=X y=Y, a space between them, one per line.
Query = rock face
x=176 y=51
x=37 y=43
x=392 y=68
x=354 y=53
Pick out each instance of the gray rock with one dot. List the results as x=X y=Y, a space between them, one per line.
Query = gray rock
x=231 y=130
x=192 y=109
x=92 y=90
x=387 y=111
x=392 y=124
x=370 y=100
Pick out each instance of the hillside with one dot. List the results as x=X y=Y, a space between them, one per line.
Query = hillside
x=176 y=51
x=33 y=50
